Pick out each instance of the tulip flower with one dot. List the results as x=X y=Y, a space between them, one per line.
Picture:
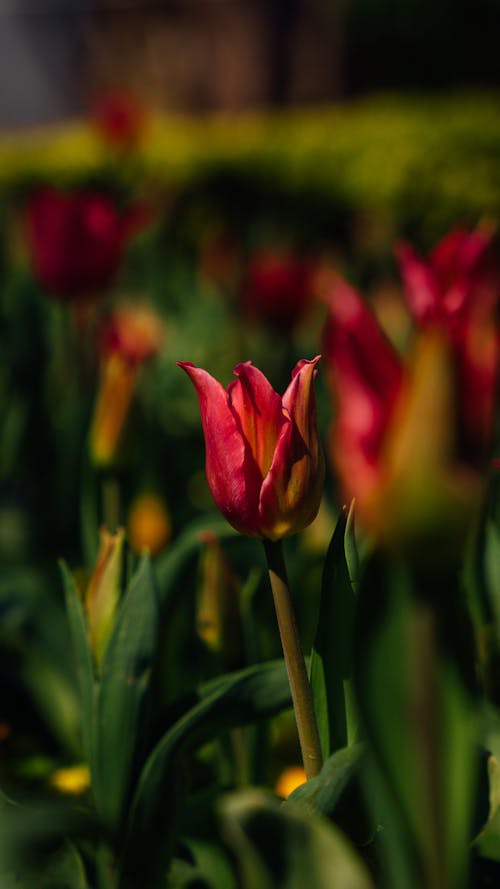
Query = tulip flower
x=457 y=290
x=265 y=469
x=396 y=442
x=129 y=338
x=76 y=241
x=277 y=289
x=264 y=463
x=366 y=375
x=120 y=119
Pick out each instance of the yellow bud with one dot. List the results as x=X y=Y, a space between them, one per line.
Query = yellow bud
x=103 y=591
x=111 y=410
x=218 y=618
x=149 y=526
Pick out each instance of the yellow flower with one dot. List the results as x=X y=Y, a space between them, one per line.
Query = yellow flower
x=291 y=778
x=73 y=780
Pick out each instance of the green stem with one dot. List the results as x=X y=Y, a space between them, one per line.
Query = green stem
x=111 y=502
x=294 y=660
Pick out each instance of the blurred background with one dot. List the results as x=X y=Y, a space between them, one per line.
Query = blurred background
x=229 y=55
x=183 y=180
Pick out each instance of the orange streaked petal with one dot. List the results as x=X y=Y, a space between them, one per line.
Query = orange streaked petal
x=258 y=410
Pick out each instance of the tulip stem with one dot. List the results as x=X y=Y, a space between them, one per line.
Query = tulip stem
x=294 y=660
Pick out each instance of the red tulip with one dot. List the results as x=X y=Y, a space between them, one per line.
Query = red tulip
x=121 y=119
x=397 y=439
x=457 y=290
x=264 y=463
x=77 y=240
x=366 y=375
x=459 y=278
x=277 y=289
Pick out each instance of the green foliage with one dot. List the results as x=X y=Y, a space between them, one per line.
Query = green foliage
x=184 y=753
x=331 y=659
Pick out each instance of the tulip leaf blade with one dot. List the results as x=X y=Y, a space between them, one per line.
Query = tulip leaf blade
x=82 y=656
x=420 y=722
x=277 y=846
x=331 y=657
x=236 y=699
x=122 y=713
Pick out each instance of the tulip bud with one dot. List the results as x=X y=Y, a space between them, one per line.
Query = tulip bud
x=264 y=462
x=103 y=591
x=149 y=525
x=218 y=617
x=132 y=336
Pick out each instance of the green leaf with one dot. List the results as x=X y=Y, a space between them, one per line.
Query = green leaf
x=36 y=845
x=331 y=658
x=278 y=847
x=122 y=716
x=254 y=693
x=212 y=862
x=82 y=656
x=420 y=724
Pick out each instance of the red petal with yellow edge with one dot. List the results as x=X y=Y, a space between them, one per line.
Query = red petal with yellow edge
x=230 y=469
x=258 y=411
x=291 y=492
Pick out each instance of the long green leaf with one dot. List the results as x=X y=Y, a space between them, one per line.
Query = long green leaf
x=82 y=656
x=420 y=725
x=279 y=847
x=250 y=694
x=123 y=700
x=331 y=658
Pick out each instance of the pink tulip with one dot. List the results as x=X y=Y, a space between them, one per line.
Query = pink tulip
x=264 y=463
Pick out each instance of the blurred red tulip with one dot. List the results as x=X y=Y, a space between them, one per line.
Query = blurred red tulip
x=366 y=374
x=277 y=289
x=264 y=463
x=120 y=119
x=131 y=336
x=397 y=442
x=135 y=332
x=76 y=241
x=457 y=290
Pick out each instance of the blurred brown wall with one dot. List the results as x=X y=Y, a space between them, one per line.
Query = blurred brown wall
x=215 y=54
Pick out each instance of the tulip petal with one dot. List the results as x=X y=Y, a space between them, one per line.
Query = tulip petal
x=419 y=283
x=258 y=412
x=366 y=374
x=300 y=403
x=291 y=492
x=230 y=469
